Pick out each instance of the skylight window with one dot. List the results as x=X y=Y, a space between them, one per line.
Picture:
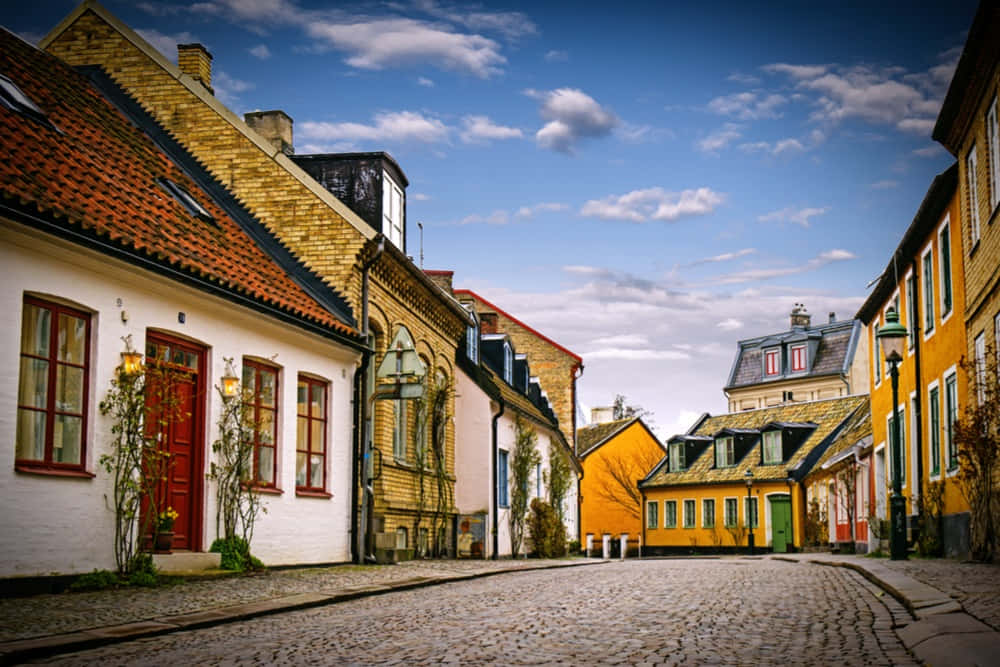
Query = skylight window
x=14 y=99
x=186 y=200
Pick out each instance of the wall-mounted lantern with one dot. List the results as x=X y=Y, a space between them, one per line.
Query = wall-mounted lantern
x=131 y=359
x=230 y=382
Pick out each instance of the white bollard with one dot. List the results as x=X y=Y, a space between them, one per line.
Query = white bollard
x=606 y=546
x=590 y=544
x=624 y=544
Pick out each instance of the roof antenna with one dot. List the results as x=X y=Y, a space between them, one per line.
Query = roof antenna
x=421 y=226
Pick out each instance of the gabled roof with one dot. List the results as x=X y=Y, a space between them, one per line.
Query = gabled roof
x=836 y=343
x=924 y=223
x=97 y=180
x=831 y=417
x=856 y=433
x=592 y=437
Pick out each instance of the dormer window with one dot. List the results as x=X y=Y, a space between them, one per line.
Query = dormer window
x=677 y=456
x=472 y=341
x=772 y=447
x=798 y=354
x=508 y=364
x=725 y=452
x=392 y=211
x=772 y=362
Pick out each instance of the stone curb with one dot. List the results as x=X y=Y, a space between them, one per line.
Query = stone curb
x=20 y=650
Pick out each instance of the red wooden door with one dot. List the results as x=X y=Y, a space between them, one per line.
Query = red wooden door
x=178 y=366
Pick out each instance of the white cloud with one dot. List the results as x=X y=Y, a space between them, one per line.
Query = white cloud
x=761 y=274
x=227 y=89
x=260 y=51
x=497 y=217
x=389 y=126
x=572 y=115
x=634 y=355
x=715 y=259
x=886 y=184
x=654 y=204
x=526 y=212
x=556 y=56
x=419 y=196
x=930 y=151
x=729 y=324
x=797 y=71
x=777 y=148
x=166 y=44
x=747 y=79
x=425 y=82
x=480 y=129
x=799 y=216
x=748 y=105
x=720 y=138
x=623 y=340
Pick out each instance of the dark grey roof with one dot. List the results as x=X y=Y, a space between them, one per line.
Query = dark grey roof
x=834 y=343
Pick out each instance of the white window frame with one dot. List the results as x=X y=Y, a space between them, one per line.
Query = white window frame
x=805 y=361
x=729 y=451
x=747 y=502
x=776 y=353
x=876 y=352
x=912 y=311
x=508 y=364
x=971 y=162
x=979 y=347
x=392 y=210
x=669 y=503
x=931 y=387
x=927 y=291
x=725 y=511
x=950 y=374
x=944 y=231
x=652 y=514
x=679 y=446
x=706 y=502
x=993 y=145
x=764 y=445
x=694 y=514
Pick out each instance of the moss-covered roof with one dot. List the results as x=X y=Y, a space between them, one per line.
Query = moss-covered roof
x=830 y=417
x=592 y=435
x=855 y=430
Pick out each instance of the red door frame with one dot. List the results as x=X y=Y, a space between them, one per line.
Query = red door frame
x=198 y=440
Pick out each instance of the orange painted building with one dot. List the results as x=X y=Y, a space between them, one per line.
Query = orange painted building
x=924 y=282
x=611 y=453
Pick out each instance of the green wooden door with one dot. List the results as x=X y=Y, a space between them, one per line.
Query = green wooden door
x=781 y=523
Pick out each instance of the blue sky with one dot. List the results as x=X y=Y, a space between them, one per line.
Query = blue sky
x=646 y=183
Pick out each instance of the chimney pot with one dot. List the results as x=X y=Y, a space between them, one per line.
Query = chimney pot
x=602 y=414
x=833 y=317
x=275 y=126
x=442 y=279
x=799 y=317
x=195 y=61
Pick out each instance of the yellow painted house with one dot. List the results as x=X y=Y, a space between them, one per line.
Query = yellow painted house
x=698 y=497
x=615 y=455
x=924 y=282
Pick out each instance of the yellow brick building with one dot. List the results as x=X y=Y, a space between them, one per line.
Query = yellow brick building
x=697 y=497
x=615 y=455
x=924 y=282
x=388 y=293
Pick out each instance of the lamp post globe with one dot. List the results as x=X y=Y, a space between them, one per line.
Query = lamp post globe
x=891 y=337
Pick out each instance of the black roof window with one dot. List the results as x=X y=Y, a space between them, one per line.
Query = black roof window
x=186 y=200
x=16 y=100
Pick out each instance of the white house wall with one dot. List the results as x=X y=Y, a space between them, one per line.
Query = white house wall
x=65 y=525
x=473 y=448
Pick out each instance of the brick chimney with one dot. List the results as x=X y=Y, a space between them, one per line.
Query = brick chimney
x=800 y=318
x=442 y=279
x=833 y=317
x=275 y=126
x=601 y=415
x=195 y=61
x=488 y=323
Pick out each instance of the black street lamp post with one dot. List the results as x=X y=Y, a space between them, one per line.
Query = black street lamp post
x=891 y=336
x=749 y=478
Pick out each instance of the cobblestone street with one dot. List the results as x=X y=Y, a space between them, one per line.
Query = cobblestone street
x=721 y=611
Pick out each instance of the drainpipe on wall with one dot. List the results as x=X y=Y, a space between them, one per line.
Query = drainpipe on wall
x=496 y=498
x=363 y=519
x=577 y=372
x=918 y=408
x=359 y=419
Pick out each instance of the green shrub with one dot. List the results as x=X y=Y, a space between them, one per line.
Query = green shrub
x=236 y=555
x=574 y=547
x=547 y=532
x=95 y=581
x=143 y=571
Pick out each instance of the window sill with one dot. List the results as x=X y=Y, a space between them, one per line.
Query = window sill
x=267 y=490
x=46 y=471
x=307 y=493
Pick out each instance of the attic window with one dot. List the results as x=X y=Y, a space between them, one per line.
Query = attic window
x=677 y=456
x=772 y=447
x=725 y=452
x=186 y=200
x=772 y=362
x=798 y=358
x=14 y=99
x=508 y=364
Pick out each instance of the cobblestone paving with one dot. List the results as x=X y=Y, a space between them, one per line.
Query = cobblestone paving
x=975 y=585
x=21 y=618
x=673 y=612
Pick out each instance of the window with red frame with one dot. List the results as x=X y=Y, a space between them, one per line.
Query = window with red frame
x=52 y=391
x=798 y=358
x=772 y=362
x=260 y=388
x=310 y=459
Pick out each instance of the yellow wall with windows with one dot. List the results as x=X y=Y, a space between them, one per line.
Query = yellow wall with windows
x=633 y=447
x=940 y=349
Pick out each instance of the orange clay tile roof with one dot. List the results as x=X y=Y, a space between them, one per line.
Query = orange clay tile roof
x=92 y=175
x=831 y=416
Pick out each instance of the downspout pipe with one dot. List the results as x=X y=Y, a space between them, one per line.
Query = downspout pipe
x=363 y=521
x=496 y=479
x=918 y=383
